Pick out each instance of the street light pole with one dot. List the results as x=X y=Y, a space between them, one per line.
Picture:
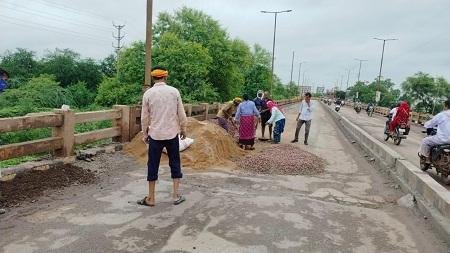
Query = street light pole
x=292 y=66
x=299 y=74
x=148 y=46
x=382 y=56
x=348 y=78
x=360 y=63
x=274 y=41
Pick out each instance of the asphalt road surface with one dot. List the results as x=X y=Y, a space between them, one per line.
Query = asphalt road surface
x=351 y=207
x=408 y=148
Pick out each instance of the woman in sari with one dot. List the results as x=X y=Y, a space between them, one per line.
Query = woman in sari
x=246 y=116
x=401 y=116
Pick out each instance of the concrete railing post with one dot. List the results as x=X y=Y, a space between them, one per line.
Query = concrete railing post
x=206 y=106
x=123 y=122
x=66 y=132
x=189 y=110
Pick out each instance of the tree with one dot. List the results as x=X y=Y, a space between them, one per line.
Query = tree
x=19 y=63
x=68 y=68
x=259 y=72
x=224 y=73
x=130 y=64
x=420 y=90
x=111 y=91
x=188 y=64
x=108 y=66
x=81 y=95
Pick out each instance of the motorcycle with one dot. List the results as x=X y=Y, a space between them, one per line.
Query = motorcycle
x=337 y=108
x=399 y=134
x=370 y=111
x=439 y=157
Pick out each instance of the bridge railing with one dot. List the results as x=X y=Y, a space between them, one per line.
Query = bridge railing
x=125 y=125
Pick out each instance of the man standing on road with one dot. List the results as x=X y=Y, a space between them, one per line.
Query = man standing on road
x=162 y=119
x=304 y=117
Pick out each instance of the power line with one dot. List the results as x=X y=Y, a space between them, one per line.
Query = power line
x=21 y=22
x=119 y=38
x=52 y=16
x=75 y=10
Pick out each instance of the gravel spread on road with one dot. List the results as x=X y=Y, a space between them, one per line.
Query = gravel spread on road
x=282 y=159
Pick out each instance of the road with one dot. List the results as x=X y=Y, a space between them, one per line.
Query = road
x=408 y=148
x=349 y=208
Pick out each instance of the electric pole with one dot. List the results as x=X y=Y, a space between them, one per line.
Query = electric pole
x=118 y=38
x=292 y=65
x=360 y=63
x=382 y=56
x=348 y=78
x=148 y=46
x=299 y=74
x=274 y=40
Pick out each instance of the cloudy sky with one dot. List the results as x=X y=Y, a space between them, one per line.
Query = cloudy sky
x=327 y=34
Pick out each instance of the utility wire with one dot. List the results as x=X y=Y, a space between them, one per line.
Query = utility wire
x=21 y=22
x=52 y=16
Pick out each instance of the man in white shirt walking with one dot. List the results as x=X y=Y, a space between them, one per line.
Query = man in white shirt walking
x=304 y=117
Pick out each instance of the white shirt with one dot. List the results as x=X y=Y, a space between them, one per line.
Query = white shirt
x=306 y=110
x=162 y=115
x=393 y=112
x=442 y=121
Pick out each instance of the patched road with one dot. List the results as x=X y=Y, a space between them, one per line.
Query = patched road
x=351 y=207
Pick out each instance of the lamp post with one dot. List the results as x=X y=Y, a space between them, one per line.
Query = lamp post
x=274 y=40
x=360 y=63
x=299 y=74
x=382 y=56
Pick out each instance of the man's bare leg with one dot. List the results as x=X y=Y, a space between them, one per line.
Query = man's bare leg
x=270 y=132
x=176 y=186
x=263 y=130
x=151 y=193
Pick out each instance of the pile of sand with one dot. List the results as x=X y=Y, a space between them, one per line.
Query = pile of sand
x=212 y=146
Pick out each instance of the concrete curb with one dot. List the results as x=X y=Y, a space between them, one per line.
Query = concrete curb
x=432 y=198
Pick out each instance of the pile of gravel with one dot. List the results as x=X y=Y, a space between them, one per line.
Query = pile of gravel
x=282 y=159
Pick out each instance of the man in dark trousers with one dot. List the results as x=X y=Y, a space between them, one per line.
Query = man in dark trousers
x=304 y=117
x=163 y=119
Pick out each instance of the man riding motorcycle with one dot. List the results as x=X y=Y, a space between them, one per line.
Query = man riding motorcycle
x=442 y=123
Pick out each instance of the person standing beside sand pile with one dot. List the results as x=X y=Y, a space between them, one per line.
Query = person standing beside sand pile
x=227 y=111
x=162 y=119
x=279 y=119
x=245 y=115
x=265 y=115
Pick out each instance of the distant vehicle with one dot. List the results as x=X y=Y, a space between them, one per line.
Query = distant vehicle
x=358 y=108
x=337 y=108
x=439 y=156
x=370 y=110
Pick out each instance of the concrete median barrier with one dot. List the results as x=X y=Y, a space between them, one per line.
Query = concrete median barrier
x=432 y=198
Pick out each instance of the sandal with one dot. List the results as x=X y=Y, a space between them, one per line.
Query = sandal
x=180 y=200
x=250 y=148
x=143 y=202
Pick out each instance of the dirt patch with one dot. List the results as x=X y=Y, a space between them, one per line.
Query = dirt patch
x=27 y=186
x=282 y=159
x=212 y=146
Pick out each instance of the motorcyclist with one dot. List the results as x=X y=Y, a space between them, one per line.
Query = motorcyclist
x=370 y=104
x=401 y=116
x=442 y=123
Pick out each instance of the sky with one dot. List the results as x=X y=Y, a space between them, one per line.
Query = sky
x=327 y=34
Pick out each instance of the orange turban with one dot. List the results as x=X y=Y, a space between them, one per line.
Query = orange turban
x=159 y=73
